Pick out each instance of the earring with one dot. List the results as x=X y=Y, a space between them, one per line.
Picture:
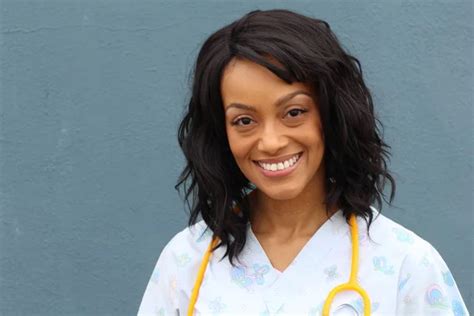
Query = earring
x=332 y=180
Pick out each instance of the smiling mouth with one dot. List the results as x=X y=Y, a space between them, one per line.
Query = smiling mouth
x=280 y=165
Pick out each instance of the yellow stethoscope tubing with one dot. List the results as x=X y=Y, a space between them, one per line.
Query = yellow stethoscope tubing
x=200 y=275
x=352 y=285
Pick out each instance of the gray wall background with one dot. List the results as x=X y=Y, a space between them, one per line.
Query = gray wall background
x=91 y=95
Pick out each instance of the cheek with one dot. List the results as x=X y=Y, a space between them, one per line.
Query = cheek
x=315 y=133
x=233 y=142
x=313 y=141
x=237 y=144
x=311 y=136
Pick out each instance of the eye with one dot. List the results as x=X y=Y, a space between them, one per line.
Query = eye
x=243 y=121
x=295 y=112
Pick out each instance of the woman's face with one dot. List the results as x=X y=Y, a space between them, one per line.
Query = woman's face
x=273 y=128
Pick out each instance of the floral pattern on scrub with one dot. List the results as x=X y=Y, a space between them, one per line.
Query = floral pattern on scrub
x=415 y=278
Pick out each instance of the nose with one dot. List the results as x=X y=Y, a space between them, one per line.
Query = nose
x=272 y=139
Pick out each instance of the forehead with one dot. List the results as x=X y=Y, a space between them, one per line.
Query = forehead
x=251 y=83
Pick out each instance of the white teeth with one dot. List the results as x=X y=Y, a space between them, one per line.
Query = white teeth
x=280 y=165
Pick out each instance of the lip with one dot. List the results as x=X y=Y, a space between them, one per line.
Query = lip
x=279 y=173
x=277 y=160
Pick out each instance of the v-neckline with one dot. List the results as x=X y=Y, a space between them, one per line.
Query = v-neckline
x=328 y=237
x=325 y=226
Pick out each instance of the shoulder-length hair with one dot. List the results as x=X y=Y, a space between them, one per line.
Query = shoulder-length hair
x=355 y=154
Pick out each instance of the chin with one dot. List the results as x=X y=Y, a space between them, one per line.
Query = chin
x=282 y=194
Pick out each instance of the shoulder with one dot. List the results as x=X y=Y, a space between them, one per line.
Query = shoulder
x=394 y=237
x=175 y=270
x=425 y=284
x=391 y=242
x=183 y=254
x=415 y=253
x=187 y=245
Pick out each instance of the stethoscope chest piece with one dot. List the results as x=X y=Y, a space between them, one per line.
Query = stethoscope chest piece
x=345 y=310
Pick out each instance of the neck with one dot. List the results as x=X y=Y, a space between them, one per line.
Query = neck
x=297 y=217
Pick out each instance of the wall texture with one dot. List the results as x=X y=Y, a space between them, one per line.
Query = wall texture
x=90 y=96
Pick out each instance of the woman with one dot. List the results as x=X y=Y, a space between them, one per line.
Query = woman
x=284 y=162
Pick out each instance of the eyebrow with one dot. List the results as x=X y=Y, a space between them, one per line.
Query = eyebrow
x=278 y=103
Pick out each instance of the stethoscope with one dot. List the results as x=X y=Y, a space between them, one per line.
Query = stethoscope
x=351 y=285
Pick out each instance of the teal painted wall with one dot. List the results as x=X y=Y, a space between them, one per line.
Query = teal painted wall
x=91 y=93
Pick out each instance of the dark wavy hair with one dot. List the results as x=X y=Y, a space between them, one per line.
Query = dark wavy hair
x=309 y=52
